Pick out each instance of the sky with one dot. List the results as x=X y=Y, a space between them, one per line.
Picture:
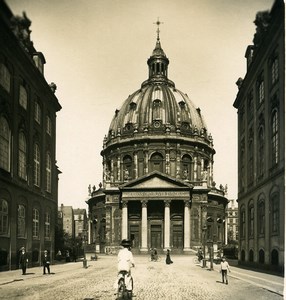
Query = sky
x=96 y=52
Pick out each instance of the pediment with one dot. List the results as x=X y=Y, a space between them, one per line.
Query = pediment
x=156 y=180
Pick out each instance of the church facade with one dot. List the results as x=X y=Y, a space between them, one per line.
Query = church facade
x=158 y=188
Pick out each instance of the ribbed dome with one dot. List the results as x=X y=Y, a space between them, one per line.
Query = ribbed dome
x=158 y=108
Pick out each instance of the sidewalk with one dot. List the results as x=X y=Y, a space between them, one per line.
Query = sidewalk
x=7 y=277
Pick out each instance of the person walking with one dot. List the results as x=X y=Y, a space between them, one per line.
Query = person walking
x=23 y=261
x=168 y=258
x=46 y=262
x=224 y=268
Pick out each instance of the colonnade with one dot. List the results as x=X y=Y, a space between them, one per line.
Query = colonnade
x=167 y=223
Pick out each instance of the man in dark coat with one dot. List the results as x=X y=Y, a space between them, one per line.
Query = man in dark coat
x=46 y=262
x=23 y=261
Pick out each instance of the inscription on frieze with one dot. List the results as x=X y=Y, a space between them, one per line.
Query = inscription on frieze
x=156 y=194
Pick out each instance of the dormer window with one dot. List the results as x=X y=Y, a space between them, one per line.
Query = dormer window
x=39 y=61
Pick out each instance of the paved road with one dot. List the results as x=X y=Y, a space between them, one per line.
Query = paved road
x=183 y=280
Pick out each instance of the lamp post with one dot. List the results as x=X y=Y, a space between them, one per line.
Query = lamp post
x=84 y=254
x=211 y=248
x=204 y=245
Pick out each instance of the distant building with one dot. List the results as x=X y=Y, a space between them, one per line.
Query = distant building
x=28 y=170
x=80 y=222
x=66 y=215
x=260 y=105
x=74 y=222
x=232 y=221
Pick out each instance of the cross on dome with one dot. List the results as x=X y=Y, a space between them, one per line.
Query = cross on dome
x=158 y=23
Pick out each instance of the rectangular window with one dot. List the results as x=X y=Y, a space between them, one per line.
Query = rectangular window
x=36 y=219
x=5 y=77
x=49 y=126
x=4 y=217
x=274 y=71
x=21 y=224
x=37 y=113
x=4 y=144
x=48 y=173
x=47 y=225
x=23 y=97
x=36 y=165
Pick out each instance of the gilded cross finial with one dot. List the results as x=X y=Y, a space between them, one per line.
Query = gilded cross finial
x=158 y=23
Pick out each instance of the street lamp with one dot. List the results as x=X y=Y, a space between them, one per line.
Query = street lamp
x=204 y=245
x=84 y=254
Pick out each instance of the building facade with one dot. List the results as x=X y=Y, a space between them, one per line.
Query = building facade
x=80 y=222
x=158 y=188
x=28 y=170
x=66 y=216
x=260 y=105
x=232 y=221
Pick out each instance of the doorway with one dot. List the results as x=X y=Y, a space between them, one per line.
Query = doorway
x=156 y=236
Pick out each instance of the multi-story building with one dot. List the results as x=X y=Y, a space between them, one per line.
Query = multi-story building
x=260 y=104
x=28 y=171
x=80 y=222
x=66 y=215
x=158 y=187
x=232 y=221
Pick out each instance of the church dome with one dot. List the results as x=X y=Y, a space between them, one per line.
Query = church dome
x=158 y=107
x=158 y=128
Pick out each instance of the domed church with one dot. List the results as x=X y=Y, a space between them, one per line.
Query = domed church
x=158 y=188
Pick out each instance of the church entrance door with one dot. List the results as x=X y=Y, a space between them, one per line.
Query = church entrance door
x=178 y=239
x=156 y=236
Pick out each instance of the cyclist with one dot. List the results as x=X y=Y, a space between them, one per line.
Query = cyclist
x=200 y=254
x=125 y=262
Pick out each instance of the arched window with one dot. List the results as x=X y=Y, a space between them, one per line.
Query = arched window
x=5 y=77
x=274 y=137
x=242 y=222
x=48 y=172
x=4 y=144
x=275 y=70
x=4 y=217
x=186 y=167
x=274 y=257
x=127 y=167
x=261 y=92
x=23 y=97
x=47 y=225
x=37 y=165
x=157 y=109
x=37 y=112
x=250 y=163
x=36 y=223
x=261 y=155
x=22 y=156
x=261 y=258
x=49 y=126
x=156 y=162
x=251 y=220
x=251 y=255
x=261 y=217
x=21 y=224
x=274 y=212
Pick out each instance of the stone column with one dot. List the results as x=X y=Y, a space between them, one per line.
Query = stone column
x=144 y=227
x=167 y=225
x=195 y=168
x=135 y=165
x=124 y=220
x=187 y=229
x=118 y=167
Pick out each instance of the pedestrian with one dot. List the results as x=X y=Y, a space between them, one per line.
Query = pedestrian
x=46 y=262
x=23 y=261
x=59 y=255
x=224 y=268
x=68 y=259
x=168 y=258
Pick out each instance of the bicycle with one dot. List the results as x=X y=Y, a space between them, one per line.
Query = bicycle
x=155 y=258
x=122 y=292
x=196 y=260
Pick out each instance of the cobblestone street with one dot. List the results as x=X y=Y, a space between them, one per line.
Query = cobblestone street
x=183 y=280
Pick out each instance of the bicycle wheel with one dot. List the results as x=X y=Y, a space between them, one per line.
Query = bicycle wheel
x=195 y=260
x=121 y=289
